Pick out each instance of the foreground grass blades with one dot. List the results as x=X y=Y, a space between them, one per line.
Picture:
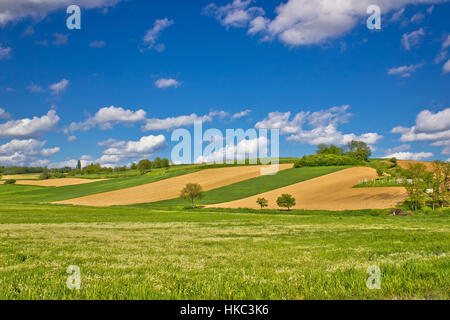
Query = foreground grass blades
x=143 y=253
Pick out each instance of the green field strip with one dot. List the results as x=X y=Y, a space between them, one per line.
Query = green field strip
x=17 y=193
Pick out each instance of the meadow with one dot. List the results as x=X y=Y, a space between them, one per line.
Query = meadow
x=137 y=252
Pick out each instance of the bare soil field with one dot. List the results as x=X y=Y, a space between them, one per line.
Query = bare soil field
x=32 y=176
x=170 y=188
x=405 y=163
x=330 y=192
x=56 y=182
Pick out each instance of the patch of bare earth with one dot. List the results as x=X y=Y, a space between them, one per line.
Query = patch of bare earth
x=170 y=188
x=57 y=182
x=330 y=192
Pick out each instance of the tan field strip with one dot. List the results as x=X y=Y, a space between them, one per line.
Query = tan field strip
x=56 y=182
x=405 y=164
x=330 y=192
x=170 y=188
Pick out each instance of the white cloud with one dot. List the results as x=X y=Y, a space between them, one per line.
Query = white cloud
x=29 y=128
x=72 y=138
x=23 y=152
x=303 y=22
x=442 y=55
x=60 y=39
x=4 y=114
x=241 y=114
x=404 y=71
x=152 y=35
x=417 y=18
x=410 y=155
x=167 y=83
x=59 y=87
x=175 y=122
x=323 y=126
x=107 y=117
x=403 y=147
x=244 y=149
x=14 y=10
x=446 y=67
x=446 y=42
x=97 y=44
x=412 y=39
x=429 y=126
x=236 y=14
x=121 y=150
x=4 y=52
x=444 y=143
x=33 y=88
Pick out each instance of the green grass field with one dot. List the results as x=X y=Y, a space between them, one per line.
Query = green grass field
x=141 y=253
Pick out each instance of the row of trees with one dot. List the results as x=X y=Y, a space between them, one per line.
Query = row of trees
x=146 y=165
x=283 y=201
x=356 y=149
x=430 y=187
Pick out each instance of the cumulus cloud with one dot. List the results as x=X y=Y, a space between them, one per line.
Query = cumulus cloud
x=303 y=22
x=410 y=155
x=72 y=138
x=23 y=152
x=58 y=87
x=167 y=83
x=4 y=52
x=322 y=125
x=121 y=150
x=151 y=36
x=14 y=10
x=246 y=148
x=404 y=71
x=429 y=126
x=107 y=117
x=412 y=39
x=29 y=128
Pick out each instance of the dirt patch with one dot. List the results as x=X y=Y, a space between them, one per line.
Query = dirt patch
x=21 y=176
x=330 y=192
x=57 y=182
x=405 y=164
x=170 y=188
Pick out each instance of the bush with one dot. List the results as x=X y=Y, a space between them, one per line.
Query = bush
x=10 y=181
x=323 y=160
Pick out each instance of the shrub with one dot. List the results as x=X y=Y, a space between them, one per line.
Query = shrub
x=286 y=201
x=10 y=181
x=321 y=160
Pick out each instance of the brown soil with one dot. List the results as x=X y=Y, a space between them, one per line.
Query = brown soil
x=331 y=192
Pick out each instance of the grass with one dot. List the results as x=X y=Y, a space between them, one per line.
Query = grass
x=142 y=253
x=255 y=186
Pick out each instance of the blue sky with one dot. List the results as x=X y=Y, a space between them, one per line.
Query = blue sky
x=114 y=91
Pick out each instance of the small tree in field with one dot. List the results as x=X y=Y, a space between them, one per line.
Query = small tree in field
x=191 y=192
x=262 y=202
x=286 y=201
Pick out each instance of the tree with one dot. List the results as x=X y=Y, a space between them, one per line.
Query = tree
x=157 y=162
x=191 y=192
x=79 y=165
x=332 y=149
x=45 y=175
x=133 y=166
x=286 y=201
x=359 y=150
x=380 y=172
x=262 y=202
x=416 y=185
x=393 y=161
x=165 y=163
x=144 y=166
